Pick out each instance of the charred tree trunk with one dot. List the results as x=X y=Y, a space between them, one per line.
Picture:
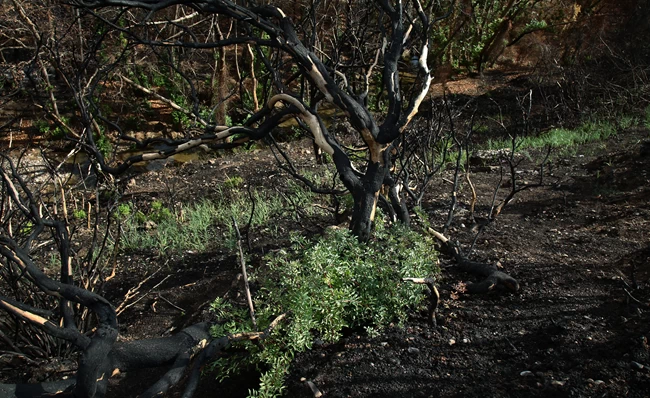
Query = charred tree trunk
x=363 y=215
x=365 y=197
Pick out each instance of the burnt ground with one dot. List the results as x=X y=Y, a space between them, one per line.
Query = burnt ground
x=579 y=246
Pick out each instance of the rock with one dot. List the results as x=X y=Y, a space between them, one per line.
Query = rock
x=598 y=382
x=636 y=365
x=526 y=373
x=150 y=225
x=558 y=383
x=413 y=350
x=644 y=150
x=176 y=135
x=452 y=341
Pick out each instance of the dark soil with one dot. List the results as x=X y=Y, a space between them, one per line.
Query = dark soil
x=579 y=246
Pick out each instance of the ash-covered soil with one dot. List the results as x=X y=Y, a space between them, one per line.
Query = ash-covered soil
x=579 y=246
x=579 y=327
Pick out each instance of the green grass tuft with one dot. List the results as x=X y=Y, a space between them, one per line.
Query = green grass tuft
x=562 y=138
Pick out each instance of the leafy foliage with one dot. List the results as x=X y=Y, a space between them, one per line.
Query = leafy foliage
x=208 y=223
x=326 y=286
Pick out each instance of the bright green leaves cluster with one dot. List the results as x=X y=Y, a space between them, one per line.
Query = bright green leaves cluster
x=325 y=286
x=337 y=282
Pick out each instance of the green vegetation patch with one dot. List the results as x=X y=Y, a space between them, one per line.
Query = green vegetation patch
x=325 y=286
x=563 y=138
x=207 y=224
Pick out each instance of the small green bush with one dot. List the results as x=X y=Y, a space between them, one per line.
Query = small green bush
x=325 y=286
x=159 y=212
x=79 y=214
x=233 y=182
x=123 y=211
x=627 y=121
x=104 y=145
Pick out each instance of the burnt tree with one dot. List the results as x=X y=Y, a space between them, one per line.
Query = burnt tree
x=303 y=73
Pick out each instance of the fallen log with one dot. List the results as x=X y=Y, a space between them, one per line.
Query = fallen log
x=178 y=351
x=493 y=277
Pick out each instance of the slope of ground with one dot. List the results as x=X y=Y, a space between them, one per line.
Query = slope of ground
x=580 y=247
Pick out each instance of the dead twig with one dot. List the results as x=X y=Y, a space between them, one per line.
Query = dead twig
x=242 y=261
x=317 y=393
x=493 y=276
x=434 y=296
x=132 y=292
x=160 y=296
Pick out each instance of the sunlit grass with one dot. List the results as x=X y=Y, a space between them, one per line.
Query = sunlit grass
x=561 y=137
x=208 y=223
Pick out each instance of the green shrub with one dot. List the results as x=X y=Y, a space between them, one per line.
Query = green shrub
x=103 y=144
x=326 y=286
x=159 y=212
x=233 y=182
x=627 y=121
x=123 y=211
x=55 y=133
x=79 y=214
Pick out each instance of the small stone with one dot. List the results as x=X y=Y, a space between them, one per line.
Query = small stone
x=465 y=340
x=558 y=383
x=413 y=350
x=452 y=341
x=636 y=365
x=384 y=344
x=598 y=382
x=526 y=373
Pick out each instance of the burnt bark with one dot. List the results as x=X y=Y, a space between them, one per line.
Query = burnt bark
x=402 y=25
x=399 y=25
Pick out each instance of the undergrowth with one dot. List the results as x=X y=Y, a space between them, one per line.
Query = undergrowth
x=562 y=138
x=208 y=224
x=325 y=286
